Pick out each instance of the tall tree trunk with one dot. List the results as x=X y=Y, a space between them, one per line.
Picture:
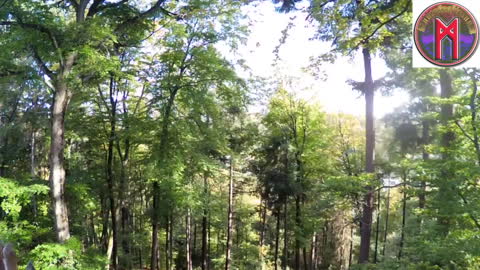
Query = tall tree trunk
x=446 y=191
x=170 y=248
x=5 y=144
x=188 y=240
x=313 y=257
x=297 y=240
x=105 y=218
x=230 y=219
x=156 y=185
x=305 y=260
x=3 y=162
x=92 y=228
x=123 y=205
x=61 y=100
x=426 y=157
x=285 y=235
x=387 y=214
x=263 y=216
x=155 y=227
x=404 y=213
x=366 y=221
x=110 y=177
x=377 y=230
x=473 y=115
x=350 y=255
x=209 y=250
x=33 y=172
x=194 y=246
x=167 y=243
x=10 y=259
x=277 y=239
x=33 y=148
x=204 y=223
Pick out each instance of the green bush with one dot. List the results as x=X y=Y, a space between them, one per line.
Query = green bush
x=68 y=256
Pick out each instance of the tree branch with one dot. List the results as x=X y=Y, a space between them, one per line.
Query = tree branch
x=151 y=11
x=74 y=3
x=39 y=28
x=469 y=213
x=41 y=63
x=365 y=39
x=97 y=6
x=8 y=73
x=464 y=131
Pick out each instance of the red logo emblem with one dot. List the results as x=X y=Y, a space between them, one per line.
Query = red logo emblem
x=446 y=34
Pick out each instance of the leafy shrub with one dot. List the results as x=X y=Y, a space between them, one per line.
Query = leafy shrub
x=68 y=256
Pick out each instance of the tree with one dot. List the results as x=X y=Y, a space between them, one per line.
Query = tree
x=374 y=24
x=63 y=59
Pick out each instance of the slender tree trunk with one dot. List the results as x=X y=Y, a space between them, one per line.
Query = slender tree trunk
x=33 y=148
x=474 y=138
x=366 y=221
x=156 y=186
x=155 y=227
x=297 y=240
x=194 y=246
x=5 y=144
x=170 y=248
x=350 y=256
x=124 y=207
x=446 y=189
x=105 y=219
x=204 y=223
x=277 y=239
x=209 y=250
x=285 y=235
x=404 y=213
x=263 y=214
x=33 y=172
x=95 y=235
x=140 y=257
x=387 y=214
x=230 y=218
x=110 y=177
x=188 y=240
x=263 y=218
x=3 y=162
x=167 y=243
x=377 y=230
x=313 y=257
x=10 y=259
x=61 y=100
x=426 y=157
x=305 y=260
x=238 y=234
x=325 y=261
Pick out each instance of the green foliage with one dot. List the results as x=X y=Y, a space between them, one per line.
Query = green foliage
x=351 y=24
x=15 y=196
x=68 y=256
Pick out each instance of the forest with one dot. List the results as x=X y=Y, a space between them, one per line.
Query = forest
x=128 y=141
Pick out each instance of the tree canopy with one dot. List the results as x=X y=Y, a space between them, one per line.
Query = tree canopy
x=130 y=139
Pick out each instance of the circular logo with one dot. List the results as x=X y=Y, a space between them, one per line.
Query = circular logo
x=446 y=34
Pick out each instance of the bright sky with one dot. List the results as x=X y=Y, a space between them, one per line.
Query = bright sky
x=334 y=93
